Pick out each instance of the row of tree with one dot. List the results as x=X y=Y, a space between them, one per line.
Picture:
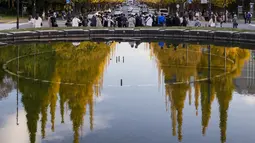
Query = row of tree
x=219 y=3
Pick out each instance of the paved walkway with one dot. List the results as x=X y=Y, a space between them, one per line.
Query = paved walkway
x=61 y=23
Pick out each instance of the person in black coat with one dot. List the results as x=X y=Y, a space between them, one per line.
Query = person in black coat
x=93 y=21
x=118 y=19
x=123 y=20
x=85 y=21
x=176 y=21
x=138 y=21
x=53 y=21
x=154 y=23
x=185 y=22
x=69 y=19
x=168 y=21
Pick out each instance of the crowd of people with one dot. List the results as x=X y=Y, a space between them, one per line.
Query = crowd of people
x=139 y=20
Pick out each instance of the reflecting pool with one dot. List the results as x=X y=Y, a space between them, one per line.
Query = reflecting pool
x=123 y=92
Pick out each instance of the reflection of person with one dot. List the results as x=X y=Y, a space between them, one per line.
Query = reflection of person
x=76 y=44
x=175 y=46
x=137 y=44
x=161 y=44
x=132 y=44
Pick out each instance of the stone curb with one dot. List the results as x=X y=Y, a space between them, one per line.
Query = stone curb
x=125 y=33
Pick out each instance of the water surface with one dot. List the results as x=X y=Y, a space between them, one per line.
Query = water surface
x=126 y=92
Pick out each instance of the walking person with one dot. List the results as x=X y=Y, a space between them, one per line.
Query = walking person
x=53 y=21
x=138 y=21
x=131 y=21
x=37 y=22
x=148 y=21
x=85 y=21
x=110 y=21
x=221 y=20
x=143 y=20
x=211 y=22
x=197 y=23
x=161 y=20
x=93 y=21
x=68 y=19
x=99 y=21
x=31 y=21
x=249 y=16
x=245 y=17
x=49 y=19
x=105 y=21
x=185 y=21
x=235 y=23
x=123 y=20
x=75 y=22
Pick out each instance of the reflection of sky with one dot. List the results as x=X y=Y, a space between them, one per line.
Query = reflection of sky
x=136 y=113
x=11 y=133
x=136 y=69
x=250 y=100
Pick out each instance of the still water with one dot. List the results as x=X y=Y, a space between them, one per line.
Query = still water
x=126 y=92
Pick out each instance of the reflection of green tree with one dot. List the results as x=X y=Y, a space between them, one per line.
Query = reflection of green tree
x=222 y=87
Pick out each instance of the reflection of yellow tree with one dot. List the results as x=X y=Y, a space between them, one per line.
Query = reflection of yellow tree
x=184 y=65
x=53 y=91
x=197 y=94
x=207 y=97
x=224 y=86
x=87 y=66
x=87 y=62
x=177 y=65
x=84 y=65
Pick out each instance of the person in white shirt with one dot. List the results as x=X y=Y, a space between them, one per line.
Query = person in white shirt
x=109 y=21
x=31 y=21
x=37 y=22
x=149 y=21
x=43 y=15
x=211 y=22
x=76 y=21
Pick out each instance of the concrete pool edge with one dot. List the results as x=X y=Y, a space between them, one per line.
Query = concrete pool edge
x=127 y=34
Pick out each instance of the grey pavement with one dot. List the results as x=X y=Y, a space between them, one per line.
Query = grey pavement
x=241 y=25
x=61 y=23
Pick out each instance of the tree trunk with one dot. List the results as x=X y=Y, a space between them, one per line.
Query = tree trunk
x=9 y=3
x=13 y=1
